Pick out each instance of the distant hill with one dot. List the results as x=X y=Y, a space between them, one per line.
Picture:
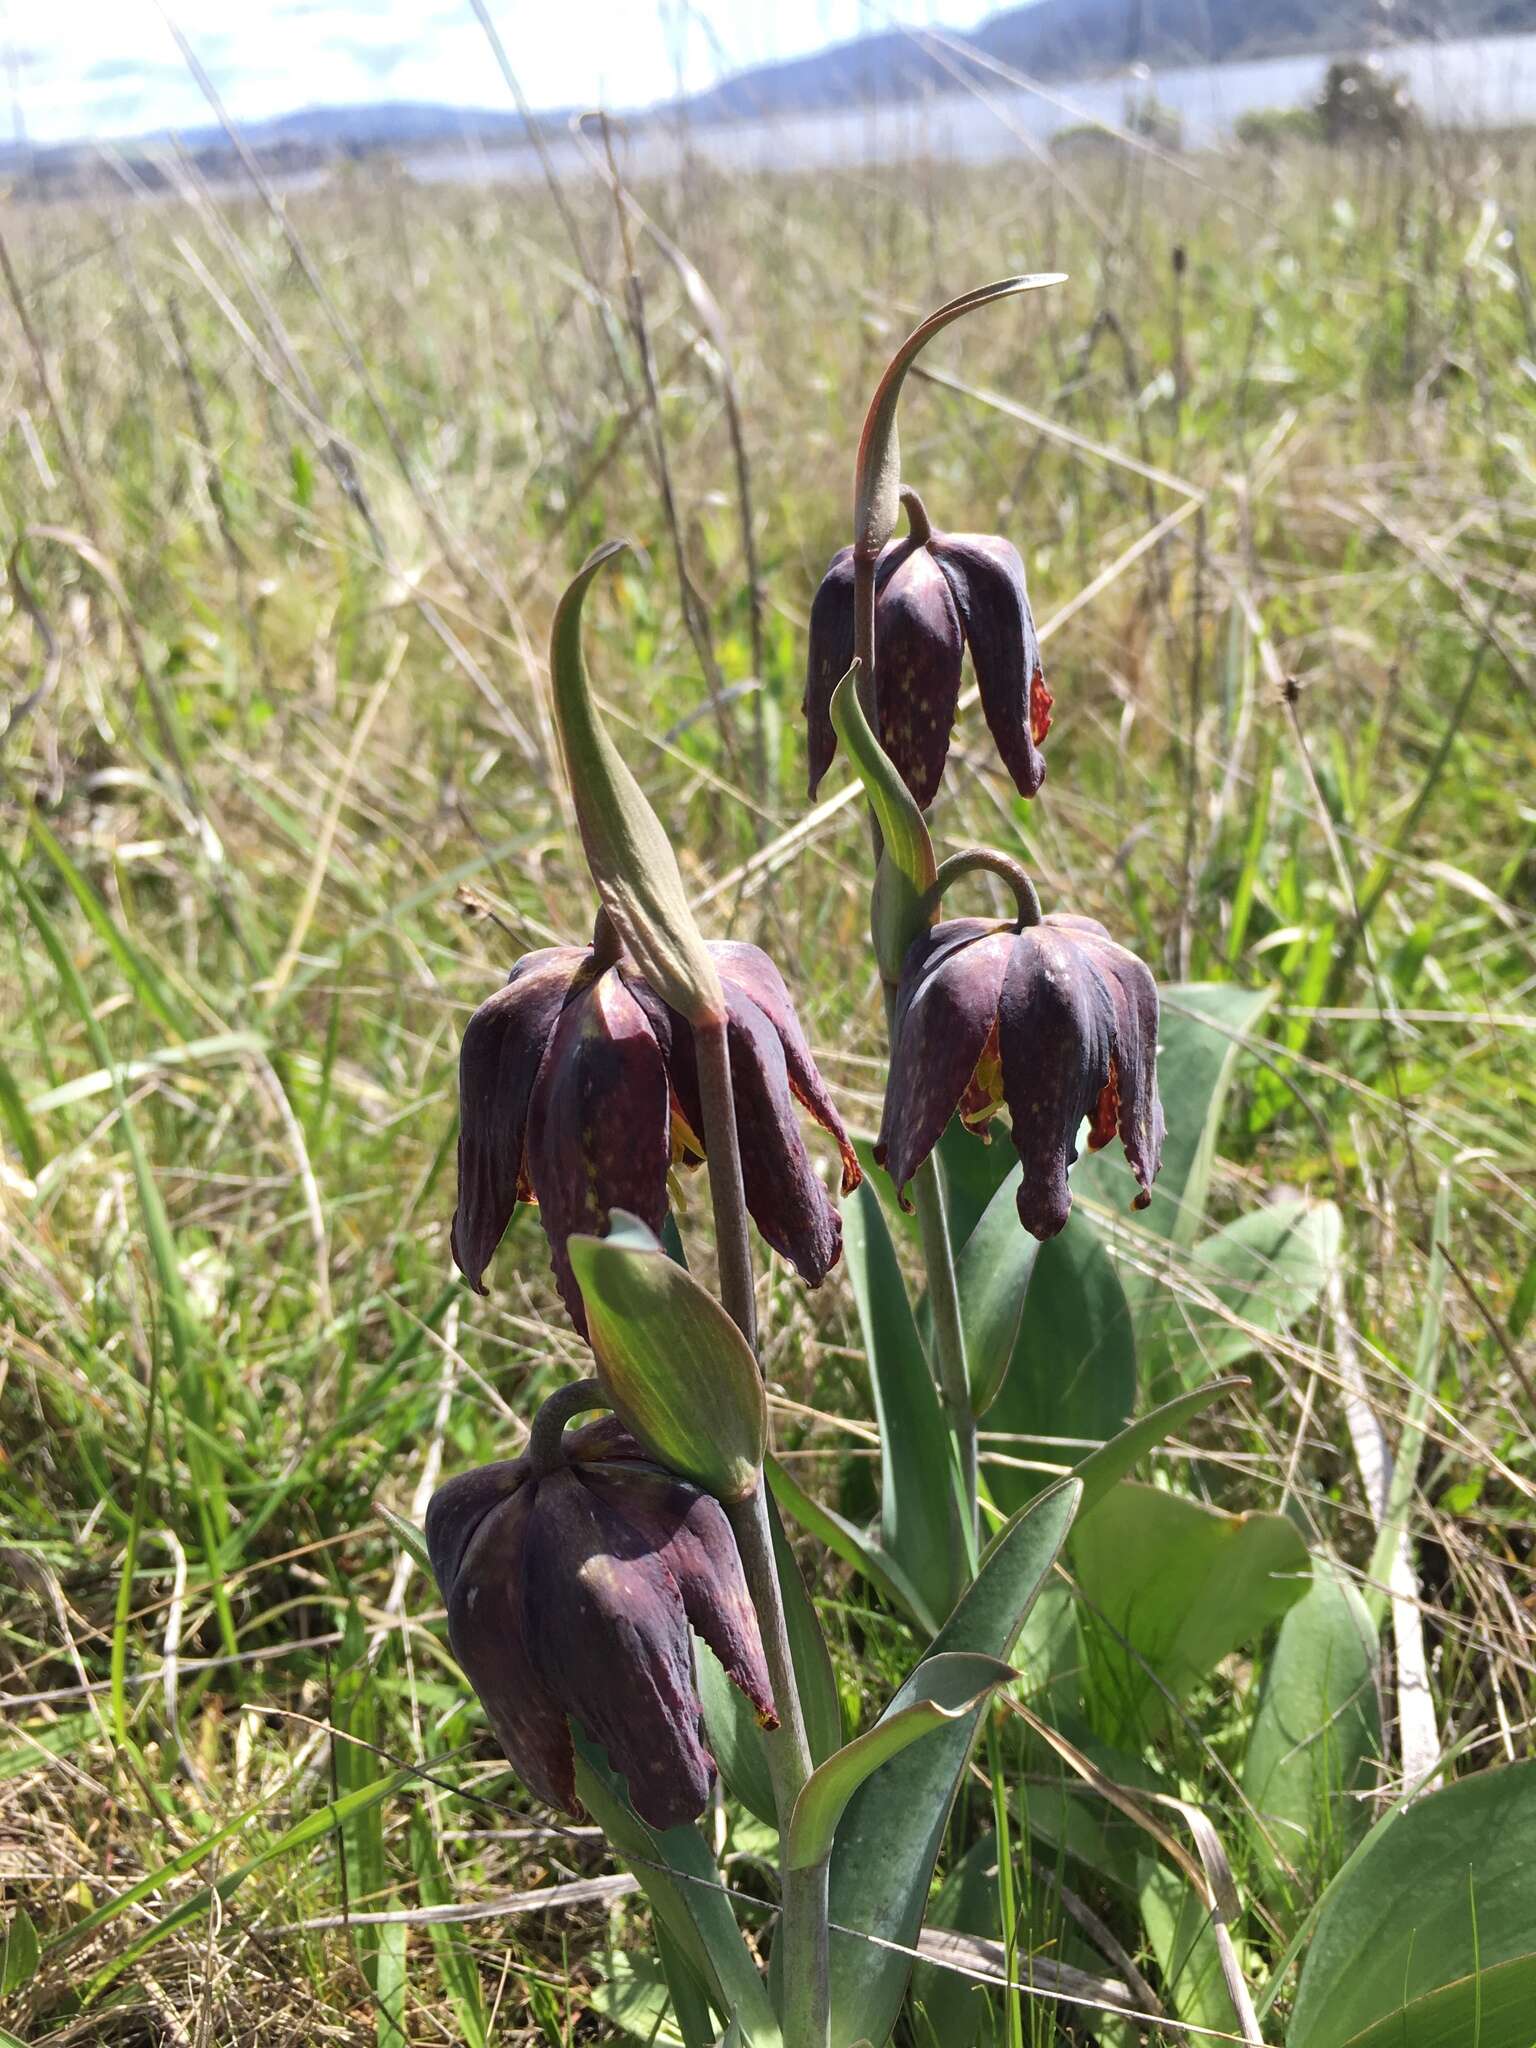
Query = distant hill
x=1054 y=39
x=1076 y=38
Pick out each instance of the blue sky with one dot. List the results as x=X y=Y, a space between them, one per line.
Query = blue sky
x=109 y=67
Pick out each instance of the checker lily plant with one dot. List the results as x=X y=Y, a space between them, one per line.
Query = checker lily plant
x=583 y=1576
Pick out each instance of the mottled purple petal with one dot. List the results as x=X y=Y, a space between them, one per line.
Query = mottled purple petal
x=609 y=1638
x=987 y=578
x=488 y=1627
x=1056 y=1026
x=690 y=1531
x=785 y=1195
x=829 y=652
x=918 y=652
x=750 y=970
x=599 y=1129
x=458 y=1508
x=504 y=1043
x=945 y=1008
x=1130 y=1104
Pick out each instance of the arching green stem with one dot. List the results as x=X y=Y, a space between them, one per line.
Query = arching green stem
x=979 y=860
x=544 y=1438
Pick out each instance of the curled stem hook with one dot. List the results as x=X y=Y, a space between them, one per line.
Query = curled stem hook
x=985 y=860
x=607 y=946
x=919 y=525
x=548 y=1429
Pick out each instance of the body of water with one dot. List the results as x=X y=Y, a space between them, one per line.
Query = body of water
x=1481 y=82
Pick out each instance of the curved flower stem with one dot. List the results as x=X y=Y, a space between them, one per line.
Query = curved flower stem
x=949 y=1343
x=974 y=860
x=722 y=1148
x=544 y=1438
x=919 y=525
x=803 y=1929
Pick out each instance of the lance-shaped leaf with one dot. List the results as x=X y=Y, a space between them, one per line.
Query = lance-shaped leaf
x=941 y=1691
x=631 y=859
x=993 y=1272
x=889 y=1836
x=679 y=1878
x=877 y=479
x=1103 y=1468
x=679 y=1373
x=907 y=866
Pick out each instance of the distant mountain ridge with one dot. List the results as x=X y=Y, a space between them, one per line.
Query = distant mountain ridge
x=1050 y=39
x=1076 y=38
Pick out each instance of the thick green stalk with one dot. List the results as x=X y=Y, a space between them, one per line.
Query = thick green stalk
x=722 y=1147
x=948 y=1340
x=803 y=1928
x=807 y=1994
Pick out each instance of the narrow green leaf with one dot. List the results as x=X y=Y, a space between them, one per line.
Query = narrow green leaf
x=450 y=1947
x=632 y=861
x=877 y=479
x=19 y=1123
x=1103 y=1468
x=137 y=969
x=389 y=1981
x=916 y=1480
x=1178 y=1930
x=907 y=867
x=678 y=1876
x=807 y=1648
x=50 y=1738
x=846 y=1542
x=993 y=1269
x=323 y=1821
x=692 y=2013
x=20 y=1953
x=942 y=1690
x=635 y=1999
x=889 y=1836
x=957 y=2008
x=208 y=1486
x=1426 y=1938
x=225 y=1045
x=735 y=1740
x=680 y=1375
x=410 y=1539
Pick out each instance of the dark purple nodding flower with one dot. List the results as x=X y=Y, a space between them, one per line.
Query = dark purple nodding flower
x=571 y=1596
x=935 y=594
x=578 y=1089
x=1056 y=1021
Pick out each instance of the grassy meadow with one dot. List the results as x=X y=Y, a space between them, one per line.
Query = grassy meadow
x=287 y=504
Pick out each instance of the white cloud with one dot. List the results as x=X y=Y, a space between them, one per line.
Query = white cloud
x=111 y=67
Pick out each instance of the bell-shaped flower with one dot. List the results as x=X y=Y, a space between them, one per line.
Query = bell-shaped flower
x=1054 y=1020
x=578 y=1089
x=571 y=1592
x=935 y=595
